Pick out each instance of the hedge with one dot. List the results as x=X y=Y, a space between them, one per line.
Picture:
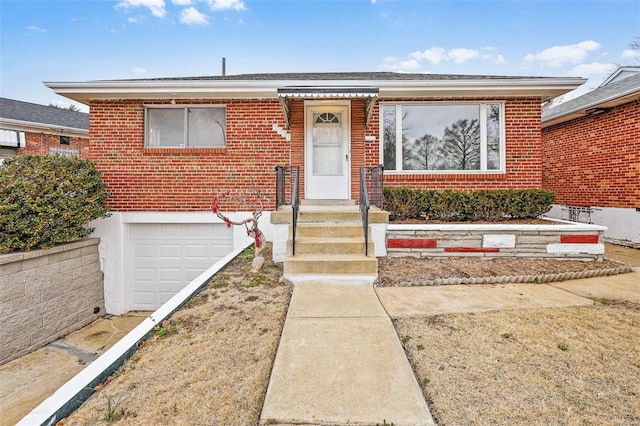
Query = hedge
x=484 y=204
x=48 y=200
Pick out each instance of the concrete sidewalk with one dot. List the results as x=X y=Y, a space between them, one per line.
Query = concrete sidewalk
x=340 y=361
x=436 y=300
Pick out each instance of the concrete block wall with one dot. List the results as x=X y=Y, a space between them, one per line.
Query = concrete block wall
x=47 y=294
x=584 y=242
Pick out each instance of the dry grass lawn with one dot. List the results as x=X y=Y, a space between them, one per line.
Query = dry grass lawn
x=569 y=366
x=209 y=364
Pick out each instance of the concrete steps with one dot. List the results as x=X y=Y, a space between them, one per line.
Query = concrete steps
x=329 y=240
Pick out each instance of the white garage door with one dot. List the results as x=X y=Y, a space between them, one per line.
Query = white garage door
x=165 y=257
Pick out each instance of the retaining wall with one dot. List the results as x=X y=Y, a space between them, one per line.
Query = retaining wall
x=47 y=294
x=566 y=240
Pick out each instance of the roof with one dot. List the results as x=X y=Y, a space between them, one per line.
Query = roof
x=614 y=93
x=260 y=86
x=26 y=116
x=620 y=73
x=347 y=76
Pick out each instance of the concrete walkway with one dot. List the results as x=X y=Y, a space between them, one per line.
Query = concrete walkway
x=340 y=361
x=29 y=380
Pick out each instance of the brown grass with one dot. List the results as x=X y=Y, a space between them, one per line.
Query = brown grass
x=215 y=369
x=569 y=366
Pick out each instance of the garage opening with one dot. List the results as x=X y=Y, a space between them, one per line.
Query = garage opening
x=165 y=257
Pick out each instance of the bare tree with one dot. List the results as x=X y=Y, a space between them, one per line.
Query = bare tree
x=461 y=145
x=422 y=153
x=71 y=107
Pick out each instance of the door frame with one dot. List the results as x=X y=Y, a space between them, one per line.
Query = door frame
x=315 y=106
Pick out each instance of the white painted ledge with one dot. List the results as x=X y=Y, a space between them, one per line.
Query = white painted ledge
x=562 y=225
x=80 y=387
x=575 y=248
x=499 y=240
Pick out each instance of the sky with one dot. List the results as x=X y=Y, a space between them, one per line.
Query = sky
x=78 y=40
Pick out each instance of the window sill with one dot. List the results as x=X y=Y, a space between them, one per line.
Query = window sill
x=184 y=151
x=493 y=175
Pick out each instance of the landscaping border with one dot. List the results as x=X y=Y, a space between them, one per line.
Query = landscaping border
x=564 y=240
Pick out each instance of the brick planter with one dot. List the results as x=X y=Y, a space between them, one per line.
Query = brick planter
x=564 y=240
x=47 y=294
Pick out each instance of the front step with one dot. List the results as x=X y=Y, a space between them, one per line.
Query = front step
x=329 y=245
x=321 y=230
x=331 y=264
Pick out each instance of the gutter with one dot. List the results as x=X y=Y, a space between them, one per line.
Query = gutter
x=54 y=129
x=77 y=390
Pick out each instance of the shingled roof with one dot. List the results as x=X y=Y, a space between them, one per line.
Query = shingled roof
x=612 y=94
x=42 y=115
x=338 y=76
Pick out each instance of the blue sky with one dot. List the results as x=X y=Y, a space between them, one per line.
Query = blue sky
x=59 y=40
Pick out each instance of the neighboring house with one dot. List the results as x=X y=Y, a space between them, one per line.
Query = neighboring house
x=166 y=146
x=591 y=152
x=27 y=128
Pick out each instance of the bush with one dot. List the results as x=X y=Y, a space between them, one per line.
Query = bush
x=488 y=205
x=48 y=200
x=404 y=202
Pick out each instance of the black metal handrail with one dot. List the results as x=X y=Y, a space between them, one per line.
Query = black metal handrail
x=288 y=177
x=371 y=184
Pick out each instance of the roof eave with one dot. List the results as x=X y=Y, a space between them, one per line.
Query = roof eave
x=581 y=111
x=29 y=126
x=84 y=92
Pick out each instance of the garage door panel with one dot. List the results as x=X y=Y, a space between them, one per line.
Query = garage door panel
x=144 y=251
x=166 y=257
x=197 y=251
x=144 y=274
x=170 y=251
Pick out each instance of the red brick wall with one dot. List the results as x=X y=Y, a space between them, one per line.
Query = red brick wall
x=595 y=160
x=523 y=153
x=179 y=179
x=40 y=143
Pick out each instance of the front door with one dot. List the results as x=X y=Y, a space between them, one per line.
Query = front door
x=327 y=162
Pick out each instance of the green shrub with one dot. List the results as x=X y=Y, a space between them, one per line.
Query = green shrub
x=448 y=205
x=526 y=203
x=404 y=202
x=48 y=200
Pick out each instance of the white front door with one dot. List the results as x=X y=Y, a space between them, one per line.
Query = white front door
x=327 y=159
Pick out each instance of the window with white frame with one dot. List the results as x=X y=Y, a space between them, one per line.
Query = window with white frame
x=453 y=137
x=188 y=126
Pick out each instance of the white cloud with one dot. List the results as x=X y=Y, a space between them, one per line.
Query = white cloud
x=156 y=7
x=392 y=64
x=499 y=59
x=34 y=28
x=594 y=68
x=557 y=56
x=373 y=1
x=631 y=53
x=433 y=55
x=182 y=2
x=133 y=20
x=191 y=16
x=139 y=70
x=226 y=4
x=461 y=55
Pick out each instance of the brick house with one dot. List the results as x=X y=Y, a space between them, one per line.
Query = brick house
x=591 y=156
x=32 y=129
x=166 y=146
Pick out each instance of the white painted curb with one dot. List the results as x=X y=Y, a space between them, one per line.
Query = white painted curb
x=77 y=390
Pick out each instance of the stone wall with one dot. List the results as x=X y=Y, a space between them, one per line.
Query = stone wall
x=566 y=240
x=47 y=294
